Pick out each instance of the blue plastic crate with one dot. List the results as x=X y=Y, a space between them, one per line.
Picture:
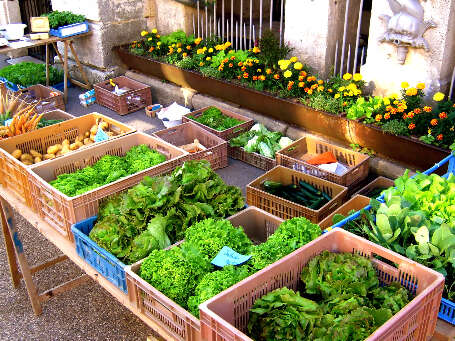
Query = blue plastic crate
x=100 y=259
x=61 y=86
x=59 y=31
x=9 y=85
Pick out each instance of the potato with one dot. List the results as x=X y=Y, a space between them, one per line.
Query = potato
x=59 y=153
x=53 y=149
x=35 y=153
x=74 y=146
x=79 y=138
x=92 y=137
x=65 y=142
x=94 y=129
x=48 y=156
x=65 y=149
x=37 y=159
x=104 y=125
x=109 y=133
x=87 y=141
x=87 y=134
x=17 y=154
x=79 y=144
x=27 y=162
x=26 y=157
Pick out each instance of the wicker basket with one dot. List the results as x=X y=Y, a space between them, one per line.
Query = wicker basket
x=61 y=211
x=356 y=203
x=139 y=96
x=178 y=322
x=285 y=209
x=184 y=134
x=295 y=156
x=49 y=98
x=225 y=316
x=226 y=134
x=379 y=182
x=13 y=173
x=254 y=159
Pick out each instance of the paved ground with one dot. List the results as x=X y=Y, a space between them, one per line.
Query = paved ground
x=87 y=312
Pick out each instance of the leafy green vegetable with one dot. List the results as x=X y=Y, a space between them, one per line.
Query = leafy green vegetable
x=57 y=19
x=215 y=119
x=45 y=123
x=209 y=236
x=108 y=169
x=27 y=74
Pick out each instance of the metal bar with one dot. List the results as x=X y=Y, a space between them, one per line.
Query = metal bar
x=219 y=26
x=244 y=35
x=232 y=21
x=222 y=19
x=251 y=22
x=451 y=83
x=206 y=22
x=336 y=59
x=198 y=15
x=271 y=14
x=348 y=62
x=215 y=33
x=359 y=24
x=254 y=36
x=281 y=22
x=194 y=27
x=202 y=26
x=227 y=30
x=236 y=35
x=345 y=31
x=241 y=26
x=210 y=26
x=260 y=18
x=362 y=58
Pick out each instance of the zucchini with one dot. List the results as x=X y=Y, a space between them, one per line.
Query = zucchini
x=318 y=204
x=326 y=196
x=309 y=188
x=272 y=185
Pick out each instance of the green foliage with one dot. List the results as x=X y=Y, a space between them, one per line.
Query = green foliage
x=322 y=102
x=365 y=108
x=177 y=37
x=193 y=192
x=396 y=127
x=213 y=283
x=27 y=73
x=186 y=64
x=57 y=19
x=271 y=51
x=209 y=71
x=214 y=118
x=210 y=236
x=108 y=169
x=45 y=122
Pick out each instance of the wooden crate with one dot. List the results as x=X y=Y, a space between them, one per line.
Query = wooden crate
x=285 y=209
x=139 y=96
x=254 y=159
x=295 y=156
x=355 y=203
x=379 y=182
x=48 y=98
x=226 y=134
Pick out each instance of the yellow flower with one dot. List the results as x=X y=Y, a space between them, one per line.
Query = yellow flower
x=357 y=77
x=201 y=64
x=256 y=49
x=197 y=41
x=386 y=101
x=227 y=44
x=210 y=50
x=208 y=58
x=347 y=76
x=394 y=96
x=287 y=74
x=298 y=66
x=411 y=92
x=158 y=43
x=281 y=62
x=320 y=88
x=341 y=88
x=154 y=31
x=320 y=82
x=285 y=65
x=337 y=95
x=438 y=97
x=184 y=55
x=293 y=59
x=179 y=50
x=421 y=86
x=144 y=33
x=405 y=85
x=151 y=38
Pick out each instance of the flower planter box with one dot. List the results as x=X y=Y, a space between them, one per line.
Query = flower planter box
x=338 y=128
x=70 y=30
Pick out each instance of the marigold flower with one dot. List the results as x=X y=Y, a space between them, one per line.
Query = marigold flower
x=301 y=84
x=245 y=75
x=151 y=49
x=452 y=128
x=154 y=31
x=232 y=57
x=357 y=77
x=256 y=49
x=320 y=88
x=386 y=101
x=255 y=78
x=150 y=39
x=429 y=131
x=411 y=92
x=239 y=77
x=243 y=68
x=184 y=54
x=179 y=50
x=405 y=85
x=341 y=88
x=301 y=78
x=290 y=85
x=240 y=64
x=443 y=115
x=227 y=44
x=201 y=64
x=439 y=137
x=287 y=74
x=400 y=108
x=268 y=71
x=303 y=73
x=188 y=47
x=411 y=126
x=231 y=65
x=276 y=76
x=284 y=66
x=298 y=66
x=310 y=92
x=388 y=108
x=314 y=86
x=311 y=79
x=208 y=59
x=258 y=70
x=438 y=97
x=337 y=96
x=417 y=111
x=197 y=41
x=262 y=77
x=347 y=76
x=330 y=90
x=386 y=116
x=411 y=115
x=306 y=90
x=405 y=116
x=420 y=86
x=427 y=109
x=144 y=33
x=434 y=122
x=293 y=59
x=158 y=36
x=378 y=118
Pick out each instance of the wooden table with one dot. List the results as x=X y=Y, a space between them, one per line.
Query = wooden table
x=19 y=267
x=68 y=44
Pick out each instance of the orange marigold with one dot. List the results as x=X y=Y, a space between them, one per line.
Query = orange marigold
x=243 y=68
x=434 y=122
x=231 y=65
x=276 y=76
x=427 y=109
x=411 y=115
x=245 y=75
x=303 y=73
x=439 y=137
x=411 y=126
x=417 y=111
x=386 y=116
x=443 y=115
x=255 y=78
x=378 y=118
x=268 y=71
x=240 y=64
x=301 y=84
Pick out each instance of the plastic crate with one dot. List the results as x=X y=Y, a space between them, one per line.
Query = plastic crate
x=379 y=182
x=13 y=173
x=225 y=316
x=285 y=209
x=226 y=134
x=139 y=96
x=104 y=262
x=355 y=203
x=255 y=159
x=295 y=156
x=216 y=152
x=178 y=322
x=61 y=211
x=49 y=98
x=70 y=30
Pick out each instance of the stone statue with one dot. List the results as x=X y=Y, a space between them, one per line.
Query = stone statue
x=406 y=27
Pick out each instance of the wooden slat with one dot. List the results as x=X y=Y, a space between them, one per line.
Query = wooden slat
x=47 y=264
x=60 y=289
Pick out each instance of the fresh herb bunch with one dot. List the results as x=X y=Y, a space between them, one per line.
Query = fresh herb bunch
x=396 y=127
x=215 y=119
x=108 y=169
x=45 y=123
x=271 y=49
x=58 y=19
x=27 y=74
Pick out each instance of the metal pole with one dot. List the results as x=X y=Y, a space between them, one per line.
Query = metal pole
x=348 y=63
x=336 y=59
x=206 y=22
x=222 y=19
x=363 y=56
x=271 y=14
x=343 y=48
x=251 y=22
x=232 y=22
x=194 y=27
x=260 y=18
x=451 y=84
x=281 y=22
x=244 y=35
x=359 y=24
x=198 y=31
x=215 y=33
x=237 y=35
x=241 y=26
